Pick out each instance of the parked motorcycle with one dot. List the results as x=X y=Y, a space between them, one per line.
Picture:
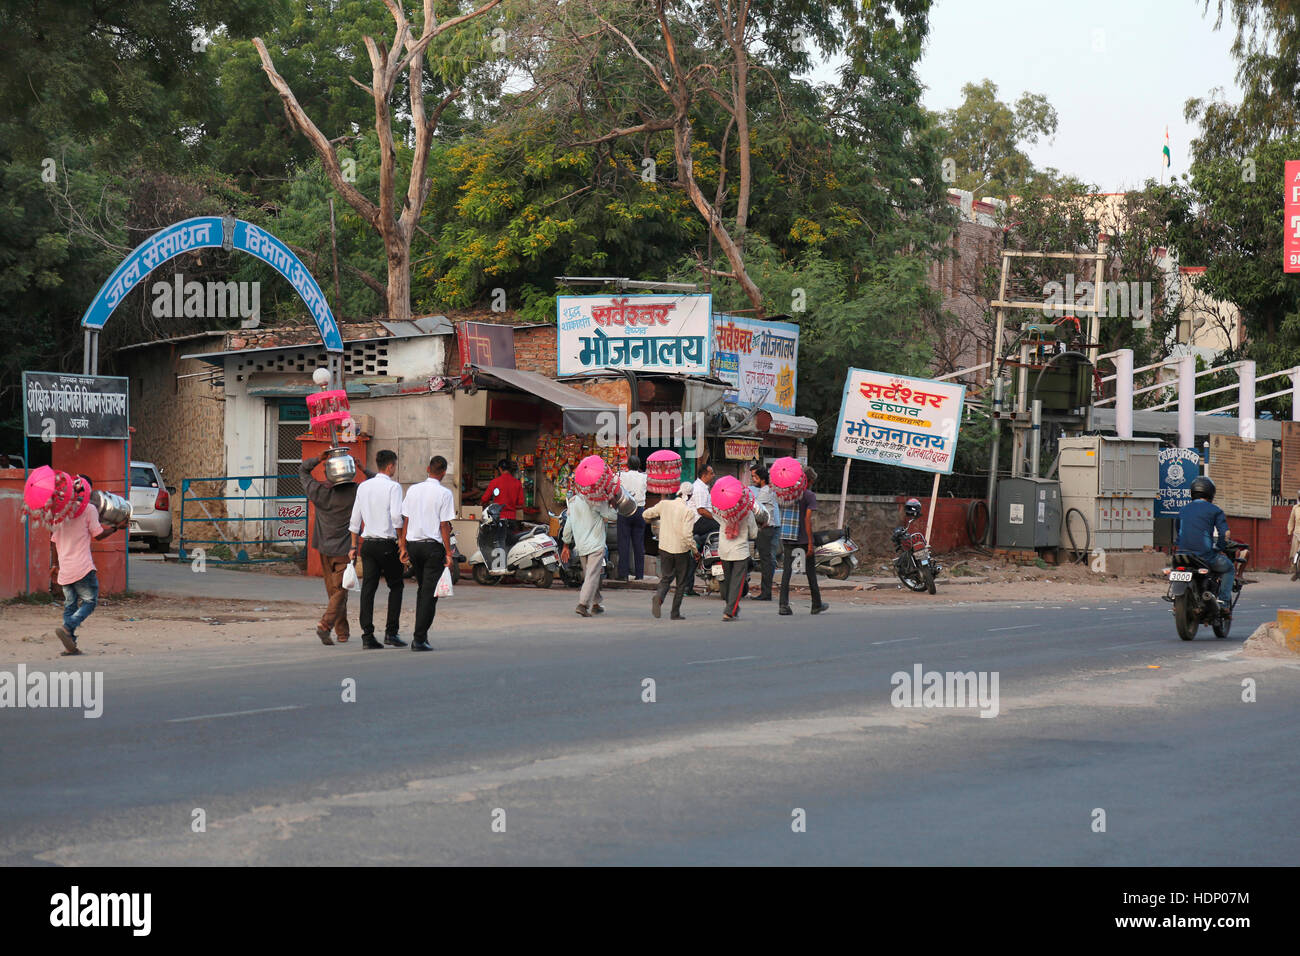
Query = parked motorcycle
x=708 y=564
x=835 y=556
x=1194 y=592
x=915 y=566
x=531 y=555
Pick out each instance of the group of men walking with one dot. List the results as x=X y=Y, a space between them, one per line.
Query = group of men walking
x=387 y=530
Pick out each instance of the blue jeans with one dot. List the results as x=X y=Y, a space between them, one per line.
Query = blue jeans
x=1222 y=565
x=85 y=591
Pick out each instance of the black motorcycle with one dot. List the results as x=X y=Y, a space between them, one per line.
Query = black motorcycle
x=914 y=565
x=570 y=571
x=1194 y=592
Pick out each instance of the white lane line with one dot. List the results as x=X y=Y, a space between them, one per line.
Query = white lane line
x=725 y=660
x=234 y=713
x=897 y=640
x=1018 y=627
x=1111 y=647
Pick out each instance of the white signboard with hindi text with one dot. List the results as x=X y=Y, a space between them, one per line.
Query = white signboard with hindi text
x=897 y=420
x=645 y=333
x=759 y=360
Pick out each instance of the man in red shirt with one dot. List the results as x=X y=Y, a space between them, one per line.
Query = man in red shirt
x=511 y=500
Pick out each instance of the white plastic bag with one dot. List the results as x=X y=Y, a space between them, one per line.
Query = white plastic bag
x=350 y=582
x=443 y=590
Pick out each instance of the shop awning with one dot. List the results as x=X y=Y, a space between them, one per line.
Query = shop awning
x=583 y=414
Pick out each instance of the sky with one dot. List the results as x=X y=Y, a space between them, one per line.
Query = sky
x=1116 y=71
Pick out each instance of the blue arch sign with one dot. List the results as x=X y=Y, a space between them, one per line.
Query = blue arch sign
x=211 y=232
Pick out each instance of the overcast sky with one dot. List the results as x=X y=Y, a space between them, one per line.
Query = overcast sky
x=1117 y=71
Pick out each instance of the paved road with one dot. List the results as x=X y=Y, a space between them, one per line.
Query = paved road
x=542 y=722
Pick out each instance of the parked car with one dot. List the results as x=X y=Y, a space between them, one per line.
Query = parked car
x=151 y=506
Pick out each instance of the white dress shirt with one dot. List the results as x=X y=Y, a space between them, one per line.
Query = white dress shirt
x=426 y=507
x=700 y=497
x=633 y=484
x=378 y=507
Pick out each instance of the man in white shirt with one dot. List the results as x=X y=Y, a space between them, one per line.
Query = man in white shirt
x=425 y=542
x=631 y=528
x=376 y=518
x=705 y=523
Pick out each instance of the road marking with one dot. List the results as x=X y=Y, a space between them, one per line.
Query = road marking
x=724 y=660
x=234 y=713
x=1111 y=647
x=897 y=640
x=1018 y=627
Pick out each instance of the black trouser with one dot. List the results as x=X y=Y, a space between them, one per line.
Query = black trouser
x=810 y=565
x=767 y=543
x=379 y=556
x=733 y=580
x=429 y=559
x=631 y=545
x=674 y=568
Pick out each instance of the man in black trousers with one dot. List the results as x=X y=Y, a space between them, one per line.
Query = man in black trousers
x=425 y=542
x=376 y=518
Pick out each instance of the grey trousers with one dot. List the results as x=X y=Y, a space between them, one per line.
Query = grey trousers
x=593 y=567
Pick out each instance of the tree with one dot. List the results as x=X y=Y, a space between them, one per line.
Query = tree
x=392 y=219
x=983 y=137
x=1266 y=46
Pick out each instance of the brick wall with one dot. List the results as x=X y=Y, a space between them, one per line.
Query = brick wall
x=535 y=350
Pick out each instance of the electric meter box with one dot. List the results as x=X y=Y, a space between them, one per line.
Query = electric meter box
x=1113 y=483
x=1029 y=513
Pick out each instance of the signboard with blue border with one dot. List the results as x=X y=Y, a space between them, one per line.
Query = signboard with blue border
x=1178 y=468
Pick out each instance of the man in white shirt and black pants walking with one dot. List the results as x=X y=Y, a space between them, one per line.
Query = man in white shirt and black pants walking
x=426 y=543
x=376 y=518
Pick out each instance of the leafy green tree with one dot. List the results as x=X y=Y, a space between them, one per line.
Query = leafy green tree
x=983 y=137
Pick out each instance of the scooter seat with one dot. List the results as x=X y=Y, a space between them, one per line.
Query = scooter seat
x=830 y=534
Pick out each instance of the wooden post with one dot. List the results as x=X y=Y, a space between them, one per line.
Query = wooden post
x=844 y=490
x=934 y=498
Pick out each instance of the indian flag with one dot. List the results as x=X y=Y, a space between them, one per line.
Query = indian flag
x=1166 y=149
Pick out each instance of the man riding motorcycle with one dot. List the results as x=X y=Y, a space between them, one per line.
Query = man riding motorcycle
x=1198 y=521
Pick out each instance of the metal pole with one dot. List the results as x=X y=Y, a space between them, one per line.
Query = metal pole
x=993 y=453
x=85 y=352
x=1036 y=417
x=1246 y=413
x=844 y=490
x=1124 y=393
x=1187 y=401
x=1295 y=395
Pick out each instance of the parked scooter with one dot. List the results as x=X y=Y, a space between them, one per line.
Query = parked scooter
x=708 y=564
x=835 y=553
x=531 y=554
x=1194 y=592
x=915 y=567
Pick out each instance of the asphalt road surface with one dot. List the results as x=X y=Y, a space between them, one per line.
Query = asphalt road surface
x=770 y=740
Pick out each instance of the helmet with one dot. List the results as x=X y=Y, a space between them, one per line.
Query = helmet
x=912 y=508
x=1202 y=487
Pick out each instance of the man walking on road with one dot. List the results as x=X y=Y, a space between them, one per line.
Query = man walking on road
x=797 y=539
x=425 y=542
x=631 y=528
x=71 y=538
x=767 y=542
x=676 y=520
x=585 y=530
x=332 y=541
x=376 y=517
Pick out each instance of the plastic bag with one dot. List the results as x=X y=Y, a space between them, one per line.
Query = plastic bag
x=443 y=590
x=350 y=582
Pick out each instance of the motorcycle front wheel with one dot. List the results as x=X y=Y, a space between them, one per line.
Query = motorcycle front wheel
x=911 y=578
x=1185 y=617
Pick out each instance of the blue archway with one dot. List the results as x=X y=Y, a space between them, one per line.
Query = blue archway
x=211 y=232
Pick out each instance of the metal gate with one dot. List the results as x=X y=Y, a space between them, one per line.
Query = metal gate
x=287 y=514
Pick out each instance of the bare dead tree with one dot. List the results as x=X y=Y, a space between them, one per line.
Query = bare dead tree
x=395 y=220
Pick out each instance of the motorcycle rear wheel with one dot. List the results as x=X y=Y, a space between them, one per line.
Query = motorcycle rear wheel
x=1185 y=617
x=546 y=579
x=840 y=572
x=481 y=575
x=928 y=573
x=1222 y=626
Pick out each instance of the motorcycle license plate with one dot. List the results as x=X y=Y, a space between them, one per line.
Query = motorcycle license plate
x=717 y=571
x=549 y=559
x=1180 y=575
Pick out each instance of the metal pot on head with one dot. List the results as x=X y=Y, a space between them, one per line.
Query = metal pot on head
x=340 y=467
x=624 y=504
x=113 y=509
